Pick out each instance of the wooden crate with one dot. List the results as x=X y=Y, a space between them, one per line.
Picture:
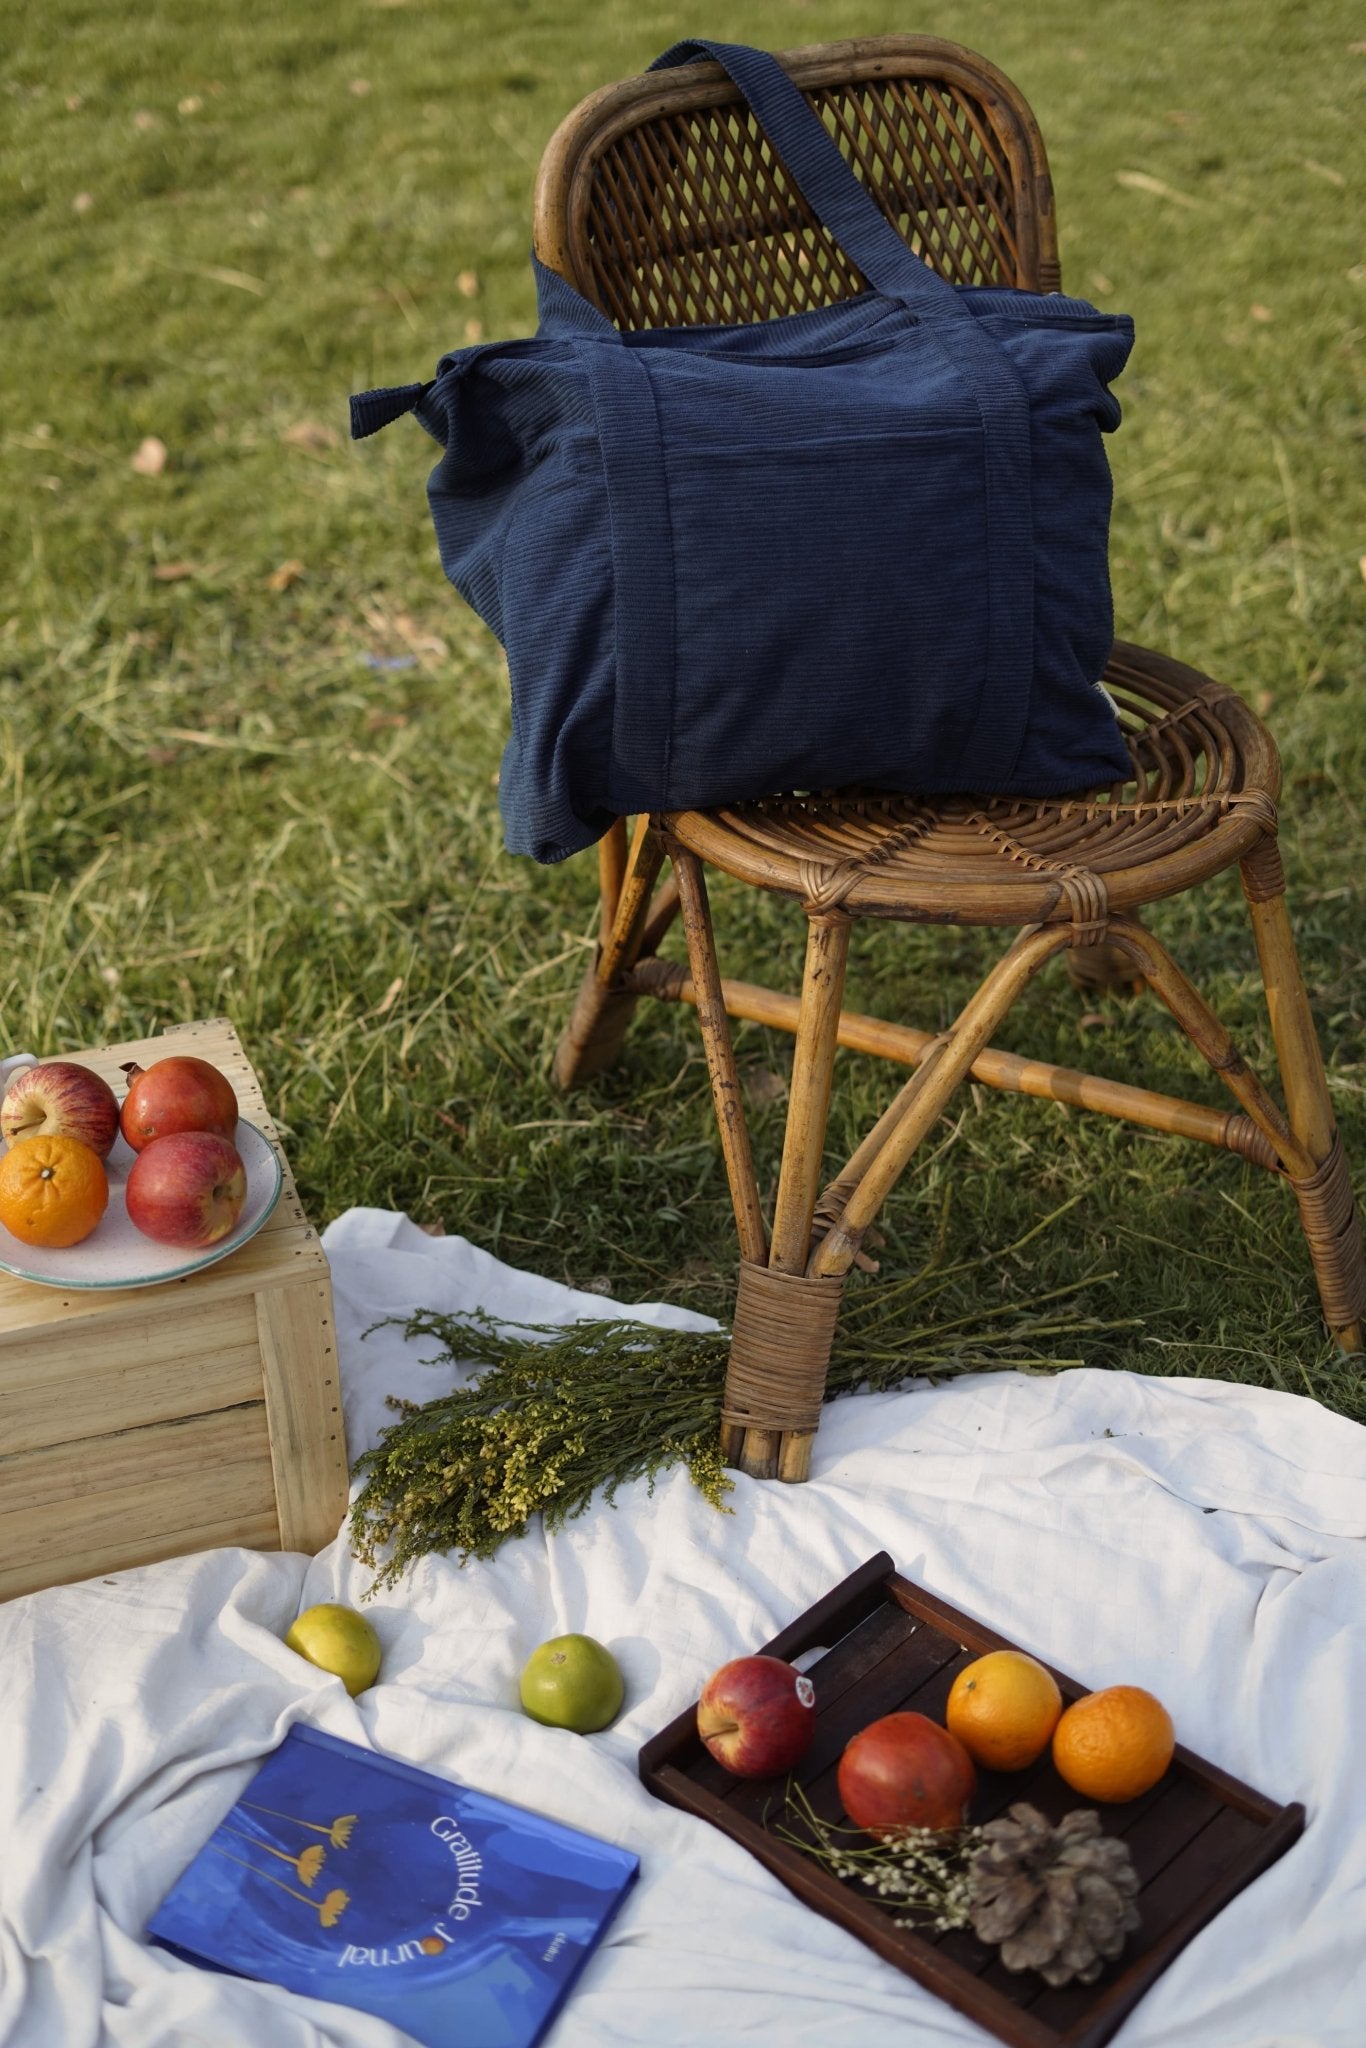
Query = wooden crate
x=142 y=1423
x=1197 y=1838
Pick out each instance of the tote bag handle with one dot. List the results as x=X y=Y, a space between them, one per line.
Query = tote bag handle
x=841 y=204
x=837 y=198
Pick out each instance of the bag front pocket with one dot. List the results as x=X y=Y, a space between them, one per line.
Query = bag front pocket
x=822 y=636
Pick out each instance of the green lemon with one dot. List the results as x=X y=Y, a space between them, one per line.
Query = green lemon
x=572 y=1682
x=339 y=1640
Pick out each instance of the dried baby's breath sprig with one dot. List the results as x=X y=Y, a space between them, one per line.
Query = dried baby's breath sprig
x=1057 y=1900
x=924 y=1874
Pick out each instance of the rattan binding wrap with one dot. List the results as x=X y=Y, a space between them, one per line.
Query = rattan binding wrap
x=779 y=1349
x=1328 y=1213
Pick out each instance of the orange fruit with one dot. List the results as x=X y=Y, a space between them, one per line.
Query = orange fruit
x=1003 y=1708
x=1112 y=1745
x=53 y=1191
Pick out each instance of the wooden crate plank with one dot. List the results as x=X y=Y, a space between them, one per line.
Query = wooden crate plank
x=304 y=1409
x=169 y=1366
x=126 y=1550
x=72 y=1511
x=249 y=1337
x=94 y=1466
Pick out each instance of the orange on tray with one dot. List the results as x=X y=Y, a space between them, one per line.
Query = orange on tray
x=1113 y=1745
x=1003 y=1707
x=53 y=1191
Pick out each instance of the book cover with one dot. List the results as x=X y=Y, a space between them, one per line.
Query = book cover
x=347 y=1875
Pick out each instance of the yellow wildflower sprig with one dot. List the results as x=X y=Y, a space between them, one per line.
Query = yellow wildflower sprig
x=552 y=1415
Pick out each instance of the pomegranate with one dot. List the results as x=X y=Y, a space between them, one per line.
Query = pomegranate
x=905 y=1771
x=176 y=1094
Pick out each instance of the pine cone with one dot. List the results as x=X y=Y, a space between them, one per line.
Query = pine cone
x=1056 y=1900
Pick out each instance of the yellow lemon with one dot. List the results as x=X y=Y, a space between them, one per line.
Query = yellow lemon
x=339 y=1640
x=572 y=1682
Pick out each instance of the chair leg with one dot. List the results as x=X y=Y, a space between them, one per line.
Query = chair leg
x=603 y=1009
x=784 y=1322
x=1320 y=1182
x=1327 y=1209
x=786 y=1312
x=798 y=1313
x=716 y=1040
x=887 y=1151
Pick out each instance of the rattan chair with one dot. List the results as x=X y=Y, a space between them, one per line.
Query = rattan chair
x=660 y=201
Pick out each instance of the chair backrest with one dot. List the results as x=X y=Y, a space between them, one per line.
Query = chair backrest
x=662 y=202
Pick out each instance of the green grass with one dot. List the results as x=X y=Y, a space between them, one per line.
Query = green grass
x=212 y=229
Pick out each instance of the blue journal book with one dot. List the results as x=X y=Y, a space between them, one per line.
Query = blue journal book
x=458 y=1918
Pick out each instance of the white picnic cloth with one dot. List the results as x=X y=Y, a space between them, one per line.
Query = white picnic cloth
x=1073 y=1513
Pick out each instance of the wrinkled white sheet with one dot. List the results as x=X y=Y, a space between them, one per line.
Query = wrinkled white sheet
x=1071 y=1512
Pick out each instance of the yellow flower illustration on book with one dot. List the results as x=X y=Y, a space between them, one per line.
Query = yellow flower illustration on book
x=329 y=1910
x=338 y=1832
x=308 y=1862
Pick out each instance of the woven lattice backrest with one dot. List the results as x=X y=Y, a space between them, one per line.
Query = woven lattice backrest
x=662 y=201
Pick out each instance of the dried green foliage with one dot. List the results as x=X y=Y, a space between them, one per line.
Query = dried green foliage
x=552 y=1415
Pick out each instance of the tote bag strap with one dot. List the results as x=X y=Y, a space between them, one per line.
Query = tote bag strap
x=836 y=197
x=841 y=204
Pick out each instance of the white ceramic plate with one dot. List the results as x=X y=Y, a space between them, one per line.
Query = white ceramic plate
x=117 y=1255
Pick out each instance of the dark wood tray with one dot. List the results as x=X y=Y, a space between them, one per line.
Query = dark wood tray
x=1197 y=1838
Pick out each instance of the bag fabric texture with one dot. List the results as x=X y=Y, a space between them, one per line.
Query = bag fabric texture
x=864 y=545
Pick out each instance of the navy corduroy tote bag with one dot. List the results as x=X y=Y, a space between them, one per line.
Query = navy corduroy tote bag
x=862 y=545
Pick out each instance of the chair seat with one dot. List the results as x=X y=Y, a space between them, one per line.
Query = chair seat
x=1202 y=792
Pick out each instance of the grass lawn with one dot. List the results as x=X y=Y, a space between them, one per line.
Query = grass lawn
x=249 y=736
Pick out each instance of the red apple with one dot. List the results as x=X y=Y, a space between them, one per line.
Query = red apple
x=905 y=1771
x=756 y=1716
x=58 y=1099
x=187 y=1189
x=176 y=1094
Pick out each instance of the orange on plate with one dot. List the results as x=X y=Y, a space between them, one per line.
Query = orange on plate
x=53 y=1191
x=1112 y=1745
x=1003 y=1708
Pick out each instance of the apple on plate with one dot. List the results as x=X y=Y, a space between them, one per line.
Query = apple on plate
x=187 y=1189
x=757 y=1716
x=176 y=1094
x=59 y=1099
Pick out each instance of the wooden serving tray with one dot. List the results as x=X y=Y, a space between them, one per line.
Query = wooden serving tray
x=1197 y=1838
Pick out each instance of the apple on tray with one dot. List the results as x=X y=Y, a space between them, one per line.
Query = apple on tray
x=176 y=1094
x=188 y=1188
x=59 y=1099
x=905 y=1772
x=757 y=1716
